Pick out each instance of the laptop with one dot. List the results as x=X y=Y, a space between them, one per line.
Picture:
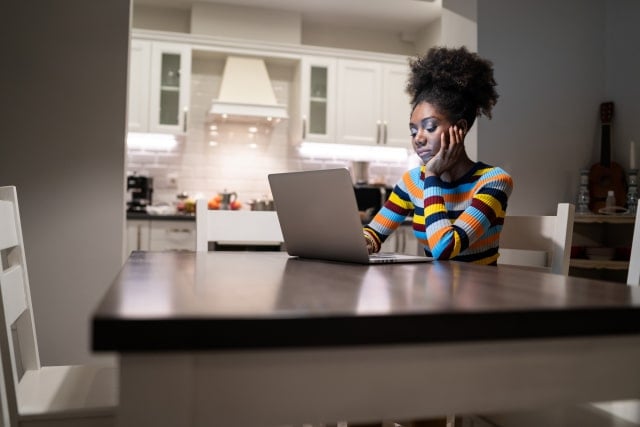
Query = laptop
x=319 y=218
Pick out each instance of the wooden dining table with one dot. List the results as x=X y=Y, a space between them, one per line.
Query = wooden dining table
x=262 y=339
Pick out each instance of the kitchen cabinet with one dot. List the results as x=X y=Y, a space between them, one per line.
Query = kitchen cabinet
x=352 y=101
x=373 y=107
x=137 y=235
x=318 y=98
x=159 y=79
x=172 y=235
x=606 y=231
x=139 y=71
x=161 y=234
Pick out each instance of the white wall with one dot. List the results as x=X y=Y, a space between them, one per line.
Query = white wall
x=622 y=84
x=356 y=38
x=147 y=17
x=550 y=69
x=274 y=26
x=63 y=125
x=459 y=28
x=226 y=20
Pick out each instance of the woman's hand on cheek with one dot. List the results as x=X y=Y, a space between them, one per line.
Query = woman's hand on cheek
x=451 y=148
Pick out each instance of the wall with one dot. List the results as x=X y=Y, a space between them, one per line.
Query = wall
x=247 y=23
x=623 y=76
x=551 y=80
x=456 y=27
x=63 y=123
x=356 y=38
x=226 y=20
x=173 y=19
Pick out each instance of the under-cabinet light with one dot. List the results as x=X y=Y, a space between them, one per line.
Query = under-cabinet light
x=151 y=141
x=320 y=150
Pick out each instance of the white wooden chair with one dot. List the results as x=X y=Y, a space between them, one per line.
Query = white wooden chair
x=628 y=410
x=32 y=394
x=538 y=241
x=251 y=228
x=633 y=276
x=620 y=413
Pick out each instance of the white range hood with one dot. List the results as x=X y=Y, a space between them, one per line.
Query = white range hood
x=246 y=93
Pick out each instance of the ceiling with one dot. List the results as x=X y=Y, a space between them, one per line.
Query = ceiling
x=389 y=15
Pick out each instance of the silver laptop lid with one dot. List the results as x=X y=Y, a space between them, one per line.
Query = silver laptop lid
x=318 y=215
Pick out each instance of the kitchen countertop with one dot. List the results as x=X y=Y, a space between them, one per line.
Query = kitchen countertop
x=148 y=217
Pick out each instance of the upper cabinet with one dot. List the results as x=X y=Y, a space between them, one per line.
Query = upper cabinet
x=373 y=107
x=159 y=79
x=352 y=102
x=139 y=72
x=318 y=99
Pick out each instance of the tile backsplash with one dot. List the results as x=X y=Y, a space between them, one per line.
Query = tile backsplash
x=208 y=160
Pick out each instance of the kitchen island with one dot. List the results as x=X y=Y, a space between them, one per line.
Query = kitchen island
x=246 y=339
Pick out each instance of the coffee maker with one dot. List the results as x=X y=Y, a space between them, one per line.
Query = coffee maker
x=139 y=193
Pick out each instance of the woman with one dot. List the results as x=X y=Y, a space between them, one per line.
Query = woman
x=458 y=205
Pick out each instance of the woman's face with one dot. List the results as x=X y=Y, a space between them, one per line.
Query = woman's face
x=426 y=126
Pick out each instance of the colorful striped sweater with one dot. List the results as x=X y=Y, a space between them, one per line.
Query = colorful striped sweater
x=459 y=220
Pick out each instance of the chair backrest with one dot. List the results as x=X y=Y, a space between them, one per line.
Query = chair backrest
x=235 y=227
x=18 y=344
x=633 y=277
x=543 y=241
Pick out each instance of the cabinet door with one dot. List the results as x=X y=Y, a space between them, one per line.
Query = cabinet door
x=318 y=92
x=396 y=109
x=170 y=80
x=137 y=235
x=172 y=235
x=138 y=98
x=359 y=101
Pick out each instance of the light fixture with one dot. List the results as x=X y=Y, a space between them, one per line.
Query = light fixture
x=151 y=141
x=320 y=150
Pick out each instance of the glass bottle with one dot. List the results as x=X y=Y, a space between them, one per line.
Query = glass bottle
x=632 y=191
x=610 y=202
x=583 y=193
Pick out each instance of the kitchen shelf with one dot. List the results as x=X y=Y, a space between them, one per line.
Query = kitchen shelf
x=607 y=231
x=603 y=219
x=599 y=264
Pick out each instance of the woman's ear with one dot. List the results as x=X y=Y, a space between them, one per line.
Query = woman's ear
x=462 y=124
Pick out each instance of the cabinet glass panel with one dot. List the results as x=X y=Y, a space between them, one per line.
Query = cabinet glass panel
x=318 y=101
x=170 y=89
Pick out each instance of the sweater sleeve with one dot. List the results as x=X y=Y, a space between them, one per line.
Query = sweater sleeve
x=448 y=239
x=394 y=211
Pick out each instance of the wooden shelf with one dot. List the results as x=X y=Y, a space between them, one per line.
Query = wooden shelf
x=604 y=219
x=606 y=264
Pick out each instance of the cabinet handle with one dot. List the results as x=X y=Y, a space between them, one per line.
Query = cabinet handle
x=384 y=133
x=185 y=115
x=178 y=230
x=378 y=131
x=304 y=128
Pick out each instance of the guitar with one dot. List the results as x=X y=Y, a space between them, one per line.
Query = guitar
x=606 y=175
